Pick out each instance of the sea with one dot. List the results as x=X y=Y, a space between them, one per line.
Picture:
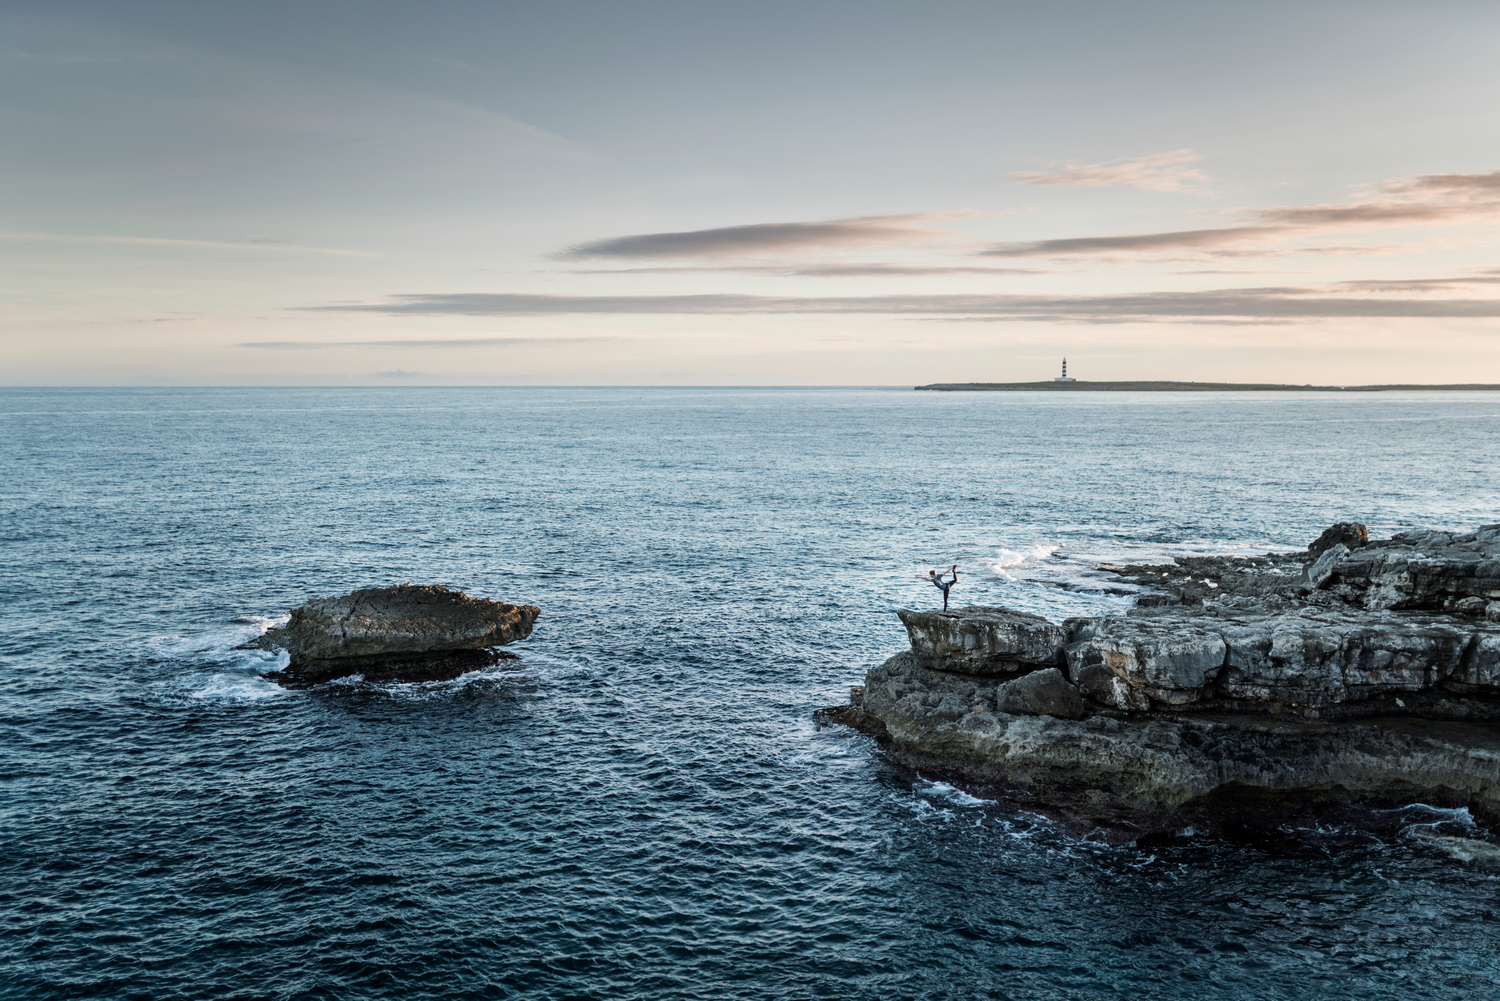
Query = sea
x=643 y=806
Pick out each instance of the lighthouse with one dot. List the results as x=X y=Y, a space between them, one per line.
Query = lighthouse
x=1064 y=376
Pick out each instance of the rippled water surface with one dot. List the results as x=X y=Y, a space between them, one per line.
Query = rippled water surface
x=643 y=807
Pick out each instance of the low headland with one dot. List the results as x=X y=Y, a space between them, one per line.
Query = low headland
x=1160 y=386
x=1263 y=690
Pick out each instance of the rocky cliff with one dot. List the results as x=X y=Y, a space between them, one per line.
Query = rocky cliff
x=1362 y=673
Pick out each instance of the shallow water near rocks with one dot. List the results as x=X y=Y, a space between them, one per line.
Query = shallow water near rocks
x=643 y=806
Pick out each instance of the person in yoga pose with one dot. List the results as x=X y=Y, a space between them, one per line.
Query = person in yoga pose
x=936 y=578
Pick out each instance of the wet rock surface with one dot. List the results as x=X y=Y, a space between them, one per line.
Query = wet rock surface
x=1260 y=685
x=404 y=633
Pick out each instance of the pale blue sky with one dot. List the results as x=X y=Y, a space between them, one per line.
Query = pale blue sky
x=365 y=193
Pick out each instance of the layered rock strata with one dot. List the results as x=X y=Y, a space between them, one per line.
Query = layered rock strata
x=407 y=633
x=1268 y=691
x=1420 y=570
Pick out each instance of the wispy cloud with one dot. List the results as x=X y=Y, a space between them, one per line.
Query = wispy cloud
x=1187 y=239
x=1171 y=171
x=157 y=241
x=1431 y=199
x=1427 y=200
x=458 y=342
x=820 y=270
x=1419 y=284
x=1274 y=303
x=761 y=239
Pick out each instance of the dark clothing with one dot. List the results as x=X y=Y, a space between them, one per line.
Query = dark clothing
x=944 y=585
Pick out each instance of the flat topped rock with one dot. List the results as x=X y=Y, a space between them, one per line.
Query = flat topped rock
x=983 y=640
x=409 y=625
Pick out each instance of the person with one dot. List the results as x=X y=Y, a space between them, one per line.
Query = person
x=936 y=578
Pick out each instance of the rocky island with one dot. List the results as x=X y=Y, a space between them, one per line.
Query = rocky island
x=404 y=633
x=1357 y=674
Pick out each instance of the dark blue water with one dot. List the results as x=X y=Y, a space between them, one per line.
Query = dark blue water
x=643 y=806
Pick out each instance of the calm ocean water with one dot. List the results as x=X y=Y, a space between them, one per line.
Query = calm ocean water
x=643 y=807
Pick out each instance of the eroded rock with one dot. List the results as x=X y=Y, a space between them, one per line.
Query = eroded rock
x=1040 y=693
x=1166 y=659
x=1436 y=571
x=1349 y=534
x=407 y=632
x=981 y=640
x=1420 y=570
x=1359 y=673
x=1141 y=771
x=1320 y=571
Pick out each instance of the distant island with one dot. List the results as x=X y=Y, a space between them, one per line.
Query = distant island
x=1075 y=386
x=1072 y=385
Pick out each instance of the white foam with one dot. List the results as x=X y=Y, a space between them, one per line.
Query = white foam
x=1441 y=815
x=949 y=793
x=237 y=687
x=217 y=644
x=1463 y=849
x=422 y=691
x=1025 y=556
x=210 y=666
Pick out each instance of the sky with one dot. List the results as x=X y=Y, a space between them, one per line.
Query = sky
x=564 y=193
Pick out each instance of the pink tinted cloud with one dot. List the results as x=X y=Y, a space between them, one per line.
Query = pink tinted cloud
x=1426 y=200
x=1171 y=171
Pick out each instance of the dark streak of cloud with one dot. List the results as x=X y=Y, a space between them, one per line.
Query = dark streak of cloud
x=1346 y=216
x=1451 y=183
x=1259 y=303
x=760 y=238
x=463 y=342
x=1417 y=284
x=821 y=270
x=1430 y=199
x=1189 y=239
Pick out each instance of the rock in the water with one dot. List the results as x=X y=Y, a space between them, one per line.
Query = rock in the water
x=980 y=640
x=407 y=632
x=1140 y=772
x=1372 y=678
